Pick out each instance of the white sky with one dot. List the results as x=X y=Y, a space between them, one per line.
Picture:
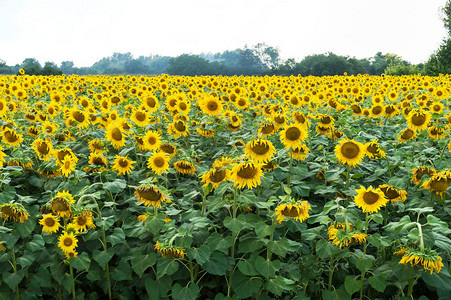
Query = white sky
x=84 y=31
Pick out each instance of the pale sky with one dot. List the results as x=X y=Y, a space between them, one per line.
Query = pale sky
x=84 y=31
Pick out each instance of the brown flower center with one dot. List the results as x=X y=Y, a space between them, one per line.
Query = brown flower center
x=159 y=162
x=290 y=212
x=350 y=150
x=370 y=197
x=407 y=134
x=116 y=134
x=68 y=242
x=418 y=119
x=123 y=163
x=260 y=148
x=247 y=172
x=439 y=185
x=180 y=126
x=218 y=176
x=293 y=134
x=49 y=222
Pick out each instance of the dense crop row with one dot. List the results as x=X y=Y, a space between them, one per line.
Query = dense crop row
x=225 y=187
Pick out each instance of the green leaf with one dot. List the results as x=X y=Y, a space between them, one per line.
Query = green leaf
x=24 y=230
x=201 y=254
x=166 y=266
x=154 y=225
x=118 y=236
x=352 y=285
x=185 y=293
x=312 y=233
x=245 y=287
x=442 y=242
x=363 y=264
x=440 y=281
x=262 y=230
x=117 y=186
x=247 y=268
x=282 y=246
x=279 y=285
x=217 y=242
x=378 y=218
x=81 y=262
x=102 y=257
x=250 y=243
x=325 y=249
x=158 y=289
x=37 y=243
x=141 y=262
x=122 y=272
x=266 y=267
x=339 y=294
x=378 y=283
x=13 y=279
x=25 y=260
x=376 y=240
x=217 y=264
x=236 y=224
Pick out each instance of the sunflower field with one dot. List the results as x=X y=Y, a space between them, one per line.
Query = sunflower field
x=173 y=187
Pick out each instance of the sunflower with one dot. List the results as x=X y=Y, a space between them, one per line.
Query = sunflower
x=142 y=218
x=300 y=152
x=169 y=251
x=370 y=200
x=43 y=149
x=122 y=165
x=356 y=109
x=242 y=103
x=391 y=110
x=50 y=222
x=215 y=176
x=293 y=135
x=428 y=259
x=350 y=152
x=211 y=105
x=168 y=149
x=436 y=107
x=266 y=129
x=98 y=160
x=260 y=150
x=150 y=102
x=67 y=242
x=418 y=119
x=32 y=131
x=297 y=210
x=418 y=173
x=150 y=195
x=11 y=137
x=71 y=254
x=115 y=134
x=377 y=110
x=14 y=211
x=140 y=118
x=373 y=150
x=393 y=194
x=2 y=156
x=184 y=167
x=178 y=128
x=79 y=117
x=326 y=121
x=61 y=204
x=2 y=247
x=247 y=174
x=68 y=165
x=158 y=162
x=342 y=235
x=406 y=135
x=49 y=128
x=438 y=183
x=83 y=221
x=436 y=133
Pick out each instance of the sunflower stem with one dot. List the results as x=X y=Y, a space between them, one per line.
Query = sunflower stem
x=331 y=273
x=289 y=170
x=420 y=234
x=13 y=256
x=364 y=254
x=107 y=269
x=73 y=281
x=410 y=288
x=443 y=150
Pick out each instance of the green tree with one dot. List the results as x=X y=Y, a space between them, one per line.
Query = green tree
x=191 y=65
x=4 y=69
x=31 y=66
x=51 y=69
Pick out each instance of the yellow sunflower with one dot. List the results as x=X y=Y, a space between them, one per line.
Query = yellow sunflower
x=418 y=119
x=260 y=150
x=215 y=176
x=418 y=173
x=342 y=235
x=150 y=195
x=67 y=242
x=158 y=162
x=373 y=150
x=247 y=174
x=83 y=221
x=169 y=251
x=293 y=135
x=438 y=183
x=169 y=149
x=184 y=167
x=300 y=152
x=393 y=194
x=68 y=165
x=43 y=149
x=350 y=152
x=14 y=211
x=50 y=223
x=370 y=200
x=11 y=137
x=266 y=129
x=122 y=165
x=61 y=204
x=115 y=134
x=429 y=259
x=298 y=211
x=140 y=118
x=211 y=105
x=406 y=135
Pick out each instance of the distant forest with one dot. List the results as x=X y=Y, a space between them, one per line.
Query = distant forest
x=260 y=59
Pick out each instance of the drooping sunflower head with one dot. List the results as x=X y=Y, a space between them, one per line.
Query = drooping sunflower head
x=61 y=204
x=428 y=259
x=370 y=200
x=169 y=251
x=215 y=176
x=169 y=149
x=438 y=183
x=297 y=210
x=96 y=145
x=247 y=174
x=259 y=150
x=150 y=195
x=406 y=135
x=350 y=152
x=325 y=121
x=293 y=135
x=436 y=133
x=11 y=137
x=185 y=167
x=178 y=128
x=300 y=152
x=343 y=235
x=419 y=172
x=393 y=194
x=13 y=211
x=50 y=223
x=43 y=149
x=373 y=150
x=266 y=129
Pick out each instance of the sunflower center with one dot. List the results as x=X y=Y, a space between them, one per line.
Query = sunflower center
x=151 y=102
x=377 y=110
x=390 y=109
x=260 y=148
x=97 y=161
x=81 y=221
x=267 y=129
x=78 y=116
x=180 y=126
x=439 y=185
x=59 y=204
x=123 y=163
x=49 y=222
x=116 y=134
x=184 y=165
x=407 y=134
x=247 y=172
x=279 y=119
x=68 y=242
x=150 y=195
x=140 y=116
x=300 y=118
x=290 y=212
x=391 y=193
x=167 y=148
x=241 y=102
x=373 y=148
x=370 y=197
x=11 y=137
x=183 y=106
x=115 y=99
x=43 y=148
x=326 y=120
x=419 y=119
x=350 y=150
x=159 y=162
x=218 y=176
x=62 y=154
x=293 y=134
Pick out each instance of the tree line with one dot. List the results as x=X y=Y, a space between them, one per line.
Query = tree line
x=260 y=59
